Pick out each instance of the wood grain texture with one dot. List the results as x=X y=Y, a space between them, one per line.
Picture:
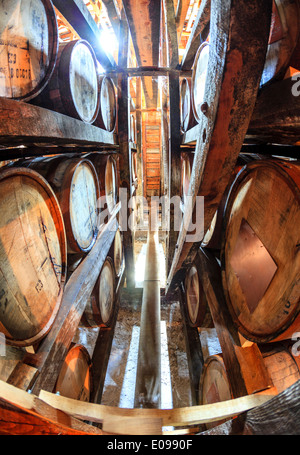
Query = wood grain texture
x=33 y=256
x=107 y=116
x=276 y=116
x=284 y=34
x=28 y=49
x=52 y=351
x=230 y=95
x=266 y=203
x=73 y=89
x=78 y=15
x=22 y=123
x=75 y=377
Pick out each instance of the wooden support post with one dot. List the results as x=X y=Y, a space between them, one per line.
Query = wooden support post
x=125 y=151
x=194 y=352
x=174 y=125
x=101 y=357
x=148 y=378
x=52 y=351
x=138 y=106
x=245 y=366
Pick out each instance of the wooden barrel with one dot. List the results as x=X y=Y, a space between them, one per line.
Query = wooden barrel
x=100 y=307
x=32 y=255
x=186 y=171
x=118 y=252
x=212 y=238
x=199 y=76
x=187 y=119
x=260 y=250
x=284 y=34
x=198 y=312
x=74 y=86
x=76 y=186
x=75 y=377
x=28 y=47
x=106 y=169
x=214 y=386
x=107 y=114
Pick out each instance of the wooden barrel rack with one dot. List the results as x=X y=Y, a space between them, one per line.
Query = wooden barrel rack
x=223 y=108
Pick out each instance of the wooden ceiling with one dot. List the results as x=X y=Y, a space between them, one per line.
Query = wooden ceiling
x=145 y=24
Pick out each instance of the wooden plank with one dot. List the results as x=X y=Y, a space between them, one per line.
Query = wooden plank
x=52 y=350
x=190 y=415
x=276 y=116
x=30 y=151
x=151 y=71
x=288 y=151
x=231 y=96
x=23 y=413
x=23 y=123
x=144 y=22
x=78 y=15
x=150 y=90
x=198 y=34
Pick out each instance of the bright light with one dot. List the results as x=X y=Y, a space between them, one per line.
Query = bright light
x=109 y=41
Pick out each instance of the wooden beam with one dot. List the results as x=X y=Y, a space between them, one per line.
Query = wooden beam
x=276 y=116
x=78 y=15
x=23 y=123
x=30 y=151
x=144 y=21
x=198 y=34
x=181 y=12
x=151 y=71
x=22 y=413
x=236 y=61
x=174 y=124
x=125 y=151
x=52 y=350
x=171 y=31
x=150 y=89
x=190 y=415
